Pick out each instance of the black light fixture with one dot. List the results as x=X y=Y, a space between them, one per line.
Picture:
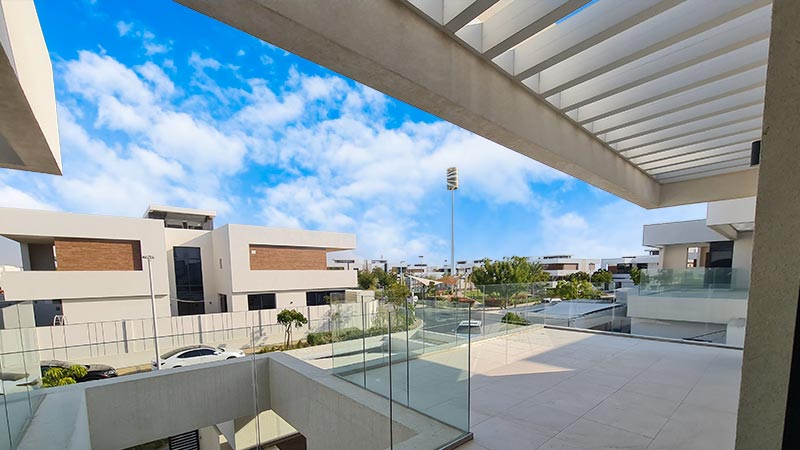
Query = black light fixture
x=755 y=153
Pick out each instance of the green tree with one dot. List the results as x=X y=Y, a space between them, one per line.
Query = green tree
x=570 y=290
x=58 y=376
x=602 y=276
x=578 y=276
x=383 y=278
x=367 y=280
x=636 y=275
x=516 y=269
x=291 y=318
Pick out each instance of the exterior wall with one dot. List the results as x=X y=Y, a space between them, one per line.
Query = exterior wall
x=687 y=309
x=674 y=256
x=290 y=299
x=742 y=210
x=742 y=259
x=244 y=280
x=97 y=254
x=66 y=285
x=108 y=309
x=688 y=232
x=267 y=257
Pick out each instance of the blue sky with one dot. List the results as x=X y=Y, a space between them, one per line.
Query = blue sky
x=159 y=104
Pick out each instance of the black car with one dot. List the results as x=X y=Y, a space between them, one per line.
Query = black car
x=93 y=371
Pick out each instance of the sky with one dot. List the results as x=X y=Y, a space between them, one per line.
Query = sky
x=158 y=104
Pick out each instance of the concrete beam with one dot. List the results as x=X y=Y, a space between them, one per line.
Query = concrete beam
x=739 y=184
x=387 y=46
x=28 y=125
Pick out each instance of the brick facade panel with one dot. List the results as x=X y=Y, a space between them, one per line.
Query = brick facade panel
x=97 y=254
x=268 y=257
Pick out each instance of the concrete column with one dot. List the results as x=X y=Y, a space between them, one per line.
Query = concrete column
x=775 y=281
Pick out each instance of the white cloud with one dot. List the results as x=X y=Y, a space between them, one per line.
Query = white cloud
x=240 y=52
x=15 y=198
x=312 y=152
x=124 y=27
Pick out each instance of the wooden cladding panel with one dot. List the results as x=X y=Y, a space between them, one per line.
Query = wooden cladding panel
x=97 y=254
x=270 y=257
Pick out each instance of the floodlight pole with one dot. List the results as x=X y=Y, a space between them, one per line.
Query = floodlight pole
x=149 y=259
x=452 y=185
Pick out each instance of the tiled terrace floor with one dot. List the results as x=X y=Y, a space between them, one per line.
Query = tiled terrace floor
x=550 y=389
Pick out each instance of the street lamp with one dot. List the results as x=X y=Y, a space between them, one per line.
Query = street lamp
x=452 y=185
x=149 y=259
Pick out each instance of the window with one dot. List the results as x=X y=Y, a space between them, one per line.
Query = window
x=191 y=308
x=188 y=273
x=196 y=353
x=321 y=297
x=260 y=301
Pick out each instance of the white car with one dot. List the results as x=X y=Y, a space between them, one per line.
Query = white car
x=196 y=354
x=469 y=329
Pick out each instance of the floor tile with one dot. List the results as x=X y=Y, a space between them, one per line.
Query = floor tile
x=500 y=434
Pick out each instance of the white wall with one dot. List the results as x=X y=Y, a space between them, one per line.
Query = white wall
x=118 y=308
x=688 y=232
x=704 y=310
x=69 y=284
x=726 y=212
x=244 y=280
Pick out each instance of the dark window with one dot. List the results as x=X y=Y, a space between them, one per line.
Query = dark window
x=720 y=260
x=223 y=303
x=196 y=353
x=321 y=297
x=260 y=301
x=190 y=308
x=188 y=274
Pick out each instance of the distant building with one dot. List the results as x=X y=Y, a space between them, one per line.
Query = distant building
x=89 y=268
x=561 y=266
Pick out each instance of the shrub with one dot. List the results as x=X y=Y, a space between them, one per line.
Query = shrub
x=62 y=377
x=320 y=338
x=514 y=319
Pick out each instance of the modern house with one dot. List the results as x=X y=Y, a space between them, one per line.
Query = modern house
x=561 y=266
x=700 y=289
x=620 y=268
x=88 y=268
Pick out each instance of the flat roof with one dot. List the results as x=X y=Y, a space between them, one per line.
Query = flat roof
x=574 y=308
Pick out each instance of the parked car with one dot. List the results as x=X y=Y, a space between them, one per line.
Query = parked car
x=467 y=328
x=196 y=354
x=11 y=382
x=93 y=371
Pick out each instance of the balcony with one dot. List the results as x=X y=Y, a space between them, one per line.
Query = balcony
x=392 y=376
x=703 y=304
x=65 y=285
x=287 y=280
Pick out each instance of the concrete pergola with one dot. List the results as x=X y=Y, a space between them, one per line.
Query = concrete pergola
x=656 y=101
